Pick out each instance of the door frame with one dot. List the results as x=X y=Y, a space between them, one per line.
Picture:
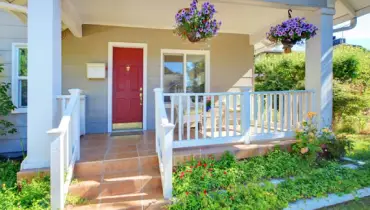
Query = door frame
x=111 y=45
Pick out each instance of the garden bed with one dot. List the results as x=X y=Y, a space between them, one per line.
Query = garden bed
x=227 y=183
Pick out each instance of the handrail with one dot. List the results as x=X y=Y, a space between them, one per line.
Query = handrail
x=65 y=150
x=164 y=143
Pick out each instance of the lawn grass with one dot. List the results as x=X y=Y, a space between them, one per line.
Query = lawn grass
x=361 y=204
x=361 y=149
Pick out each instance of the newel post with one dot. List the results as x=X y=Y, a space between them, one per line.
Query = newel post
x=158 y=97
x=167 y=158
x=246 y=114
x=76 y=121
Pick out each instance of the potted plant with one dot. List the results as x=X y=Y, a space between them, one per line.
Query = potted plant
x=292 y=31
x=197 y=24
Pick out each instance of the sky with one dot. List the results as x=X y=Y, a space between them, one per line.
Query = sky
x=360 y=35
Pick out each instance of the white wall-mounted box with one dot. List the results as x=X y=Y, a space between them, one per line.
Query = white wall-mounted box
x=95 y=70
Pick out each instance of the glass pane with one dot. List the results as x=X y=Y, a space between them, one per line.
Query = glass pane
x=23 y=93
x=196 y=73
x=173 y=78
x=23 y=61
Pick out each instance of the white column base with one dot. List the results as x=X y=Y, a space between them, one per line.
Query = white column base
x=31 y=164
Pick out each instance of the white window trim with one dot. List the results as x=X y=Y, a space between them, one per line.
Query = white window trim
x=16 y=77
x=206 y=53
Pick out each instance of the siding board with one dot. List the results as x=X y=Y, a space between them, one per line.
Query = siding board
x=12 y=31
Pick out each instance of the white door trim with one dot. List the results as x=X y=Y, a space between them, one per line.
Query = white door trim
x=206 y=53
x=143 y=46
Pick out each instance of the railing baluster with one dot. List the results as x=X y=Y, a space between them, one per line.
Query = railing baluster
x=188 y=118
x=213 y=116
x=172 y=109
x=269 y=111
x=234 y=118
x=180 y=115
x=295 y=112
x=275 y=112
x=262 y=115
x=220 y=116
x=307 y=105
x=196 y=117
x=300 y=103
x=204 y=127
x=282 y=111
x=227 y=110
x=289 y=111
x=256 y=110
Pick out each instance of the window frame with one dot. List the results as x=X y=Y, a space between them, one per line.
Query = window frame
x=16 y=78
x=206 y=54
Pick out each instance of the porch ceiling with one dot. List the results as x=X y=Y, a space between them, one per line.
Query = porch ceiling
x=237 y=18
x=252 y=17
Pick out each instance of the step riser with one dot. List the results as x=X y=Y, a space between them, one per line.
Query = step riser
x=114 y=166
x=93 y=190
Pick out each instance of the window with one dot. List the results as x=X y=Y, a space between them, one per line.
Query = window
x=185 y=71
x=19 y=76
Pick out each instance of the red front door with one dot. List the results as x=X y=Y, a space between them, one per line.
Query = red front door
x=127 y=85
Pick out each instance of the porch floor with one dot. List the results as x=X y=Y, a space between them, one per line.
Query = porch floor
x=121 y=172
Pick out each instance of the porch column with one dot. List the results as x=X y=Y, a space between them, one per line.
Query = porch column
x=44 y=78
x=319 y=65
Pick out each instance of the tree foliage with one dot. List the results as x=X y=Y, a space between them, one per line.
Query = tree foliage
x=6 y=106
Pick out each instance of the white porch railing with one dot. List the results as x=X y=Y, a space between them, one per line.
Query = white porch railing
x=277 y=114
x=199 y=119
x=164 y=143
x=65 y=150
x=217 y=118
x=62 y=105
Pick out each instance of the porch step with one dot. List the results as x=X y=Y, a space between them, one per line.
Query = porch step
x=130 y=183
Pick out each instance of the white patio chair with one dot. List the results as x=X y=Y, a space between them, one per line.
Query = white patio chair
x=191 y=117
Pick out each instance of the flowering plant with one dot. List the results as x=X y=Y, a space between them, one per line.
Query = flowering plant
x=197 y=24
x=292 y=31
x=313 y=143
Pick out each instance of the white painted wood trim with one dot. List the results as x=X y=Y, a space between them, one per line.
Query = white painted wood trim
x=208 y=141
x=206 y=53
x=16 y=77
x=143 y=46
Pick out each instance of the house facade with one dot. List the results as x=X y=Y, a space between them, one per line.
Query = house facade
x=13 y=39
x=134 y=44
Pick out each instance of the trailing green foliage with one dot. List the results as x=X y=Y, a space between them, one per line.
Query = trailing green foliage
x=6 y=106
x=229 y=184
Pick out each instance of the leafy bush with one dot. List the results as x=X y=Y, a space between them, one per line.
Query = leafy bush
x=8 y=172
x=6 y=106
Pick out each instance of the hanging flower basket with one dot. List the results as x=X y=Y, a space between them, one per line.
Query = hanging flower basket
x=292 y=31
x=197 y=24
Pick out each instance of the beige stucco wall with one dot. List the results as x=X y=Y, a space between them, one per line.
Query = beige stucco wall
x=12 y=30
x=231 y=64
